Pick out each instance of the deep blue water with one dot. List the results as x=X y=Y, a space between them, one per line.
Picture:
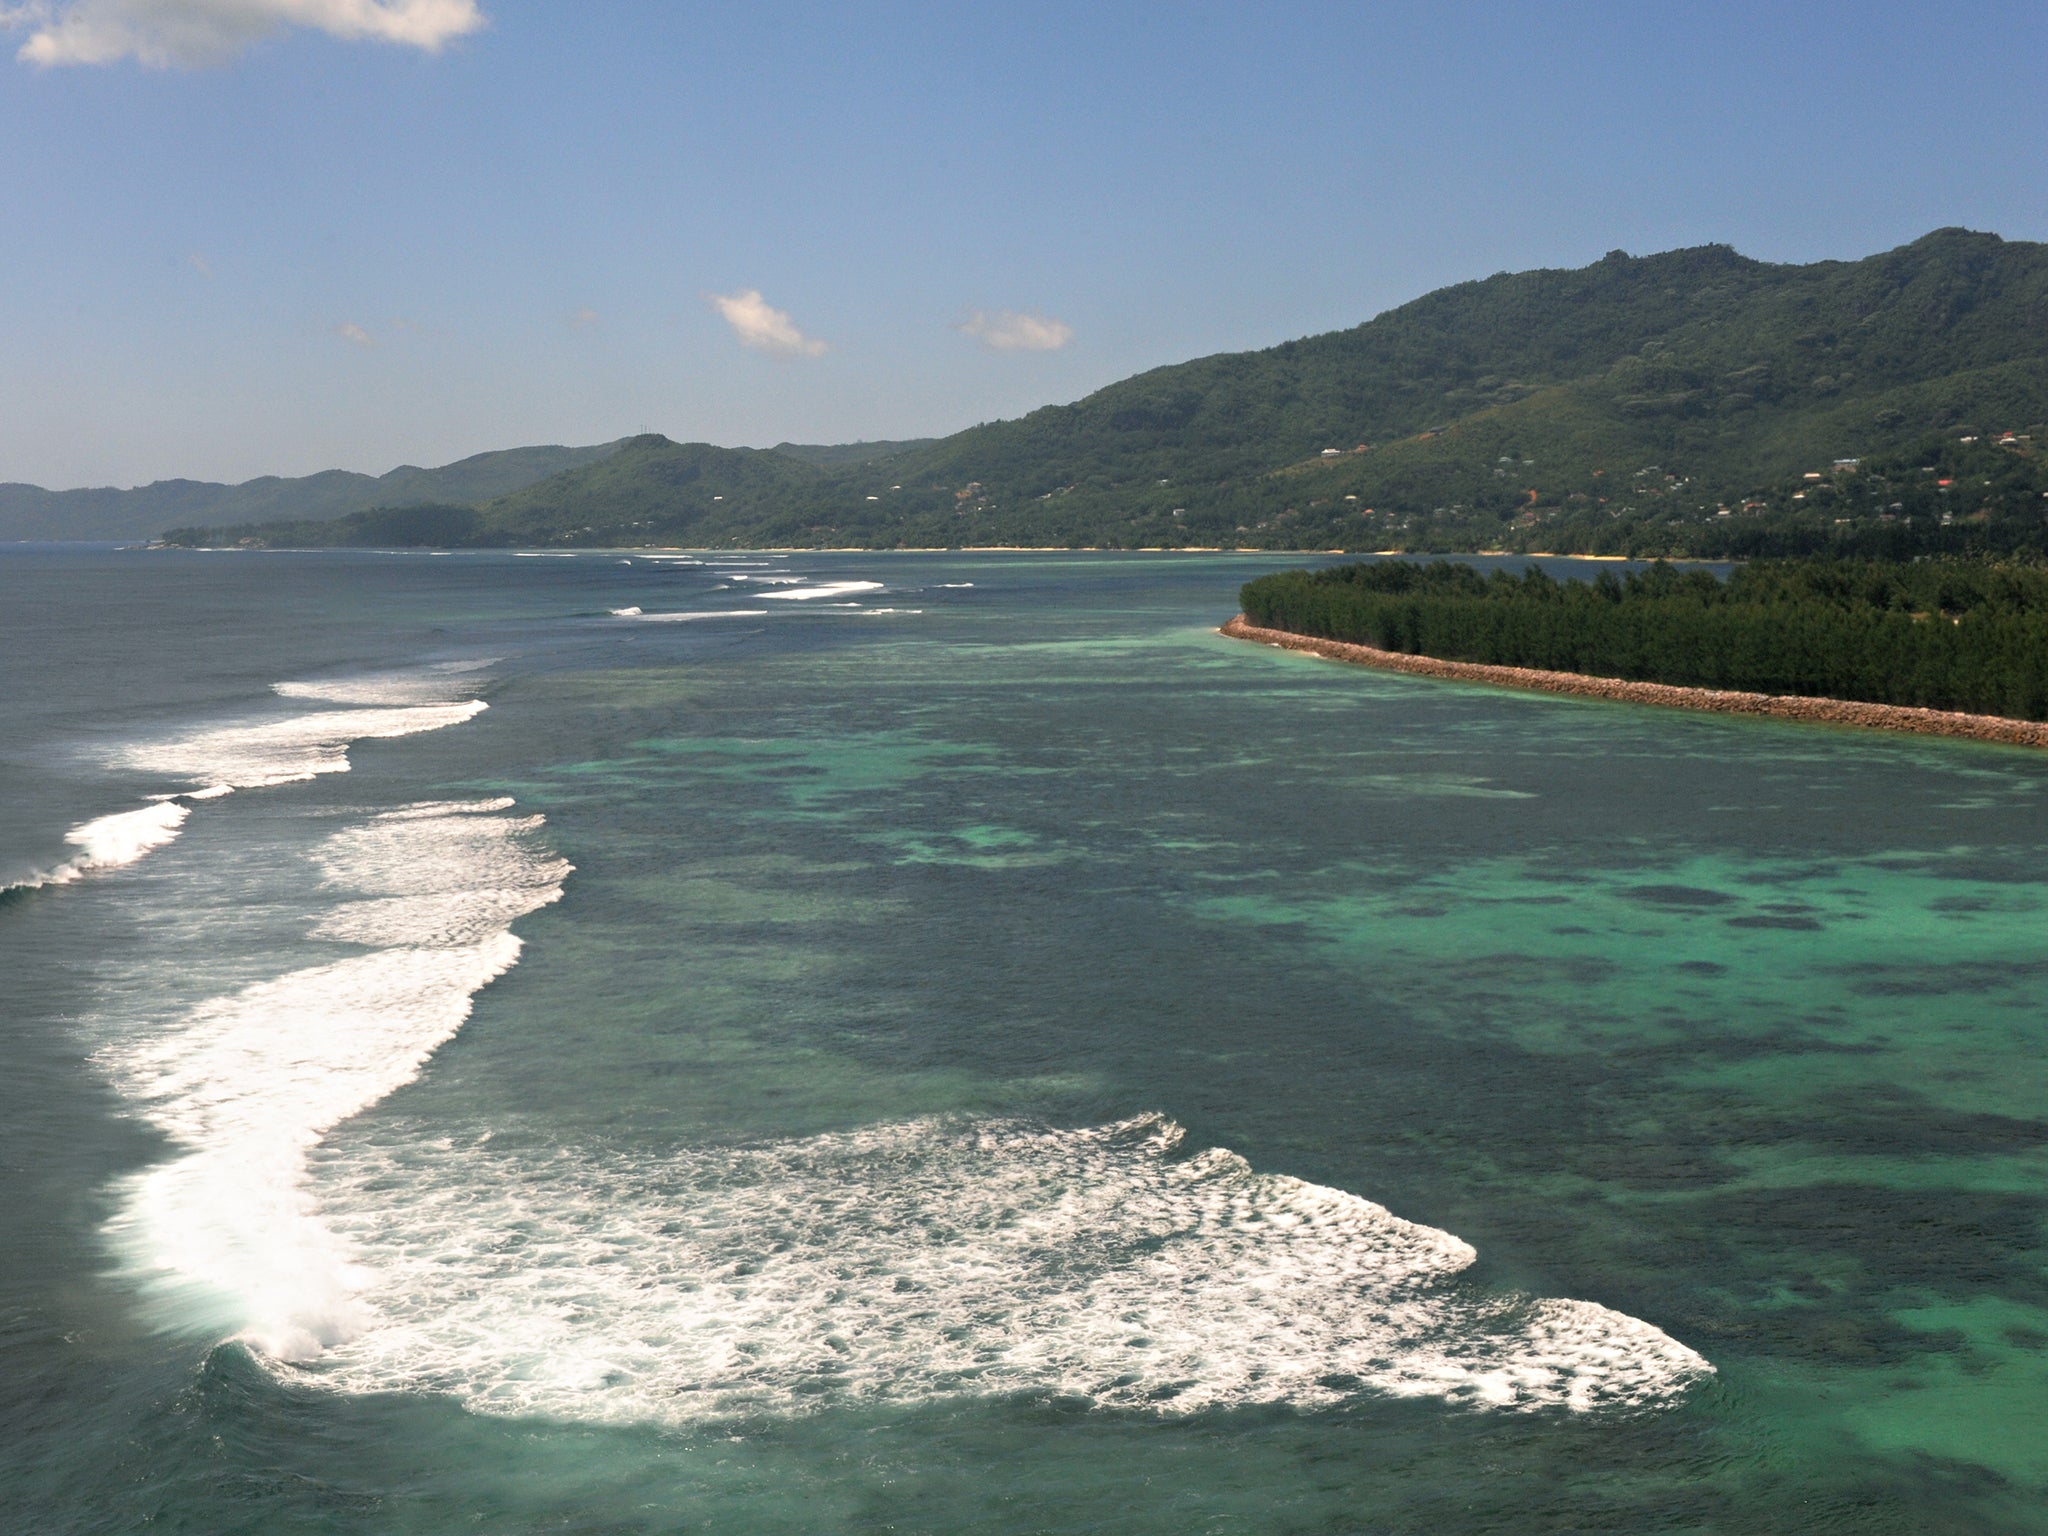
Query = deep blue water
x=604 y=1043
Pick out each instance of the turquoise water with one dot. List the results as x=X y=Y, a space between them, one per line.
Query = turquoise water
x=980 y=1051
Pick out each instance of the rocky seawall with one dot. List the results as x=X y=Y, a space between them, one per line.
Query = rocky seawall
x=1883 y=717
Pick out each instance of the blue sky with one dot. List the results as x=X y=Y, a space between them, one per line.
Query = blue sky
x=409 y=230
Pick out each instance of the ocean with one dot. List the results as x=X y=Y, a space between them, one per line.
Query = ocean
x=627 y=1042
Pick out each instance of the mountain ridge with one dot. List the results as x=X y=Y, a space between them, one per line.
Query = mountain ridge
x=1524 y=407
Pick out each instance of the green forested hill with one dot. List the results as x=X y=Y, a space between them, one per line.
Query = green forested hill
x=30 y=512
x=839 y=455
x=1615 y=407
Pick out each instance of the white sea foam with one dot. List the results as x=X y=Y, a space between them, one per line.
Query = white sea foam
x=825 y=589
x=388 y=693
x=246 y=1084
x=450 y=875
x=625 y=613
x=911 y=1262
x=713 y=613
x=448 y=683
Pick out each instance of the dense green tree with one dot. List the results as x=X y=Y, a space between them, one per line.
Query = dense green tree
x=1950 y=635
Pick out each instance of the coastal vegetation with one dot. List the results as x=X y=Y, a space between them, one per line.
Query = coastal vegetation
x=1619 y=408
x=1947 y=635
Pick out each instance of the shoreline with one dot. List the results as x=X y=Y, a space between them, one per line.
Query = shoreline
x=1782 y=706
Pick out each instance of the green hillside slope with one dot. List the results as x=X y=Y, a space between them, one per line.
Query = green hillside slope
x=1613 y=407
x=835 y=455
x=30 y=512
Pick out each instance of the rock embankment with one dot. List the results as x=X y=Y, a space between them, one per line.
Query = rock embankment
x=1785 y=706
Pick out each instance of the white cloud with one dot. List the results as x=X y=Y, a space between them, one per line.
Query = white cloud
x=194 y=32
x=579 y=318
x=354 y=334
x=760 y=325
x=200 y=264
x=1016 y=330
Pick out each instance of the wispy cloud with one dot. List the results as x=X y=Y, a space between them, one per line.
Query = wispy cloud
x=1016 y=330
x=196 y=32
x=760 y=325
x=579 y=318
x=200 y=264
x=354 y=334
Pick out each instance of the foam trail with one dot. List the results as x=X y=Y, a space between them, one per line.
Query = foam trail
x=280 y=751
x=246 y=1084
x=907 y=1263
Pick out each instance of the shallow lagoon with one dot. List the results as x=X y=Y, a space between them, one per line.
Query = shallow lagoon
x=879 y=914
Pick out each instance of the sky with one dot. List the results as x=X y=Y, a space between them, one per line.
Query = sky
x=246 y=237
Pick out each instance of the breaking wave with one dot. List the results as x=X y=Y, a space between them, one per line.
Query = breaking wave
x=681 y=618
x=217 y=760
x=110 y=842
x=245 y=1085
x=257 y=753
x=824 y=589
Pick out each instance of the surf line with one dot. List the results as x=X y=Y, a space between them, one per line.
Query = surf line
x=1783 y=706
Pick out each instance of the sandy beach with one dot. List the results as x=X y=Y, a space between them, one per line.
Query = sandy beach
x=1883 y=717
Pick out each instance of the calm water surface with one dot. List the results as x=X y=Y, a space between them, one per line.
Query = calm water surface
x=933 y=1043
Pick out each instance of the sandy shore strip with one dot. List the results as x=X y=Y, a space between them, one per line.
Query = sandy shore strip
x=1785 y=706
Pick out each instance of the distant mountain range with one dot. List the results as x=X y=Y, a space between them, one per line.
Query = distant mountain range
x=1620 y=406
x=30 y=512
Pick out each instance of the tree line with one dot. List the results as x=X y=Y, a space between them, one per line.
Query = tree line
x=1954 y=635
